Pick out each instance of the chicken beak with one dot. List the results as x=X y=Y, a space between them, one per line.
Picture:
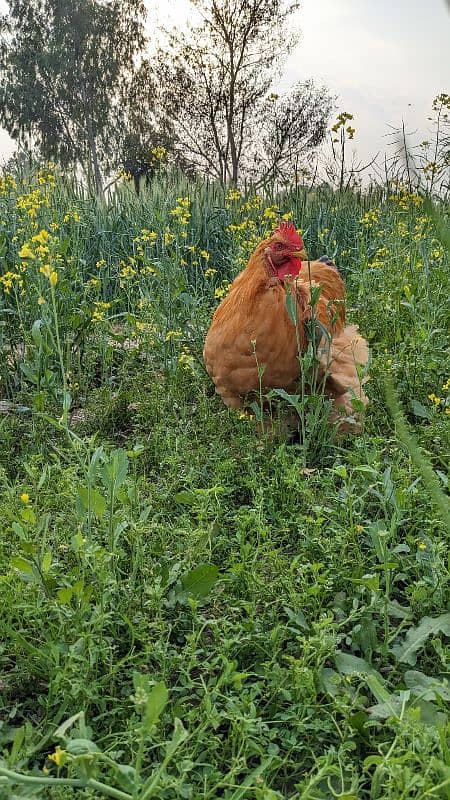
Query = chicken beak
x=301 y=254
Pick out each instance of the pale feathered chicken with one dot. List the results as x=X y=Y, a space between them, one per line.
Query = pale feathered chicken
x=252 y=337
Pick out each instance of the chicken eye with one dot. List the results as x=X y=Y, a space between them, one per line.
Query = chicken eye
x=278 y=246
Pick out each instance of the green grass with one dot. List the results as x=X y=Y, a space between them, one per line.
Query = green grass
x=189 y=608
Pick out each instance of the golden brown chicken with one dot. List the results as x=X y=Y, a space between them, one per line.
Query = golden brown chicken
x=253 y=343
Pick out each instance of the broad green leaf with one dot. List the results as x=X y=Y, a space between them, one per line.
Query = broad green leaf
x=348 y=664
x=388 y=705
x=430 y=714
x=419 y=410
x=64 y=596
x=24 y=566
x=96 y=458
x=397 y=611
x=186 y=498
x=371 y=582
x=257 y=410
x=291 y=305
x=179 y=735
x=61 y=730
x=81 y=747
x=156 y=703
x=96 y=500
x=292 y=399
x=386 y=710
x=18 y=530
x=126 y=777
x=378 y=690
x=416 y=637
x=358 y=721
x=18 y=740
x=330 y=680
x=427 y=687
x=46 y=562
x=36 y=332
x=199 y=581
x=115 y=470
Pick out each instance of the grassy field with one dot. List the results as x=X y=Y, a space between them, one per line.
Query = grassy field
x=190 y=608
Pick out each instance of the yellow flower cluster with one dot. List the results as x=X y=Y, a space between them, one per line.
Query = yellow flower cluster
x=233 y=195
x=99 y=310
x=380 y=256
x=437 y=253
x=252 y=203
x=41 y=238
x=146 y=237
x=271 y=213
x=242 y=227
x=402 y=229
x=144 y=327
x=147 y=269
x=181 y=212
x=439 y=402
x=26 y=251
x=186 y=360
x=9 y=280
x=210 y=272
x=7 y=184
x=371 y=217
x=340 y=123
x=127 y=271
x=42 y=248
x=222 y=290
x=93 y=283
x=406 y=200
x=31 y=203
x=173 y=335
x=59 y=757
x=46 y=177
x=49 y=273
x=74 y=215
x=159 y=155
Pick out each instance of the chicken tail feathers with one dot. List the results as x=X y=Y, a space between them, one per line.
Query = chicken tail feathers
x=343 y=363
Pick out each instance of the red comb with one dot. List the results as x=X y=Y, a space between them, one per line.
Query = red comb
x=289 y=231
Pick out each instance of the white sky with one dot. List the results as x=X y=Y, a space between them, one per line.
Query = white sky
x=384 y=59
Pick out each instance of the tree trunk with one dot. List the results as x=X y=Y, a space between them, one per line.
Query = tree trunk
x=92 y=144
x=94 y=158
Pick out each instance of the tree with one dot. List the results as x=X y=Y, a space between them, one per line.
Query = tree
x=216 y=88
x=65 y=71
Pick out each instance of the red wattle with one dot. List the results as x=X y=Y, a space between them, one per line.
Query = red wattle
x=291 y=268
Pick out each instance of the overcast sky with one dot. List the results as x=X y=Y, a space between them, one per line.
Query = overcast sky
x=384 y=59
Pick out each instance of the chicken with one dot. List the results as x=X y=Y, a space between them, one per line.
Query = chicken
x=253 y=343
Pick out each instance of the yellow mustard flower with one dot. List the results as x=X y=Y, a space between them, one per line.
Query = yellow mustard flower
x=59 y=756
x=41 y=238
x=26 y=251
x=173 y=335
